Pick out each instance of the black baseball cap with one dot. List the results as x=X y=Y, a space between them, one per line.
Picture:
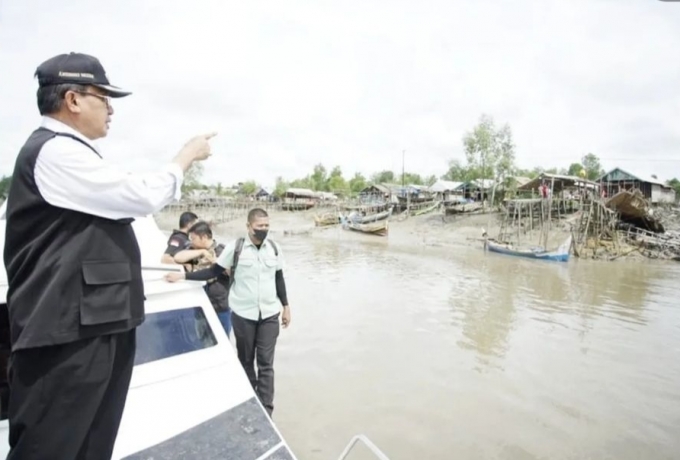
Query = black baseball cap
x=76 y=68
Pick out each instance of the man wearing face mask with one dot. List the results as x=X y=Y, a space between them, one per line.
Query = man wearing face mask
x=257 y=298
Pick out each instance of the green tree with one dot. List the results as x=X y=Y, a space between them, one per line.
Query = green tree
x=319 y=178
x=591 y=163
x=280 y=187
x=383 y=177
x=555 y=170
x=530 y=173
x=5 y=182
x=305 y=182
x=675 y=185
x=457 y=172
x=249 y=188
x=575 y=169
x=430 y=180
x=413 y=178
x=490 y=152
x=538 y=170
x=336 y=183
x=193 y=176
x=357 y=183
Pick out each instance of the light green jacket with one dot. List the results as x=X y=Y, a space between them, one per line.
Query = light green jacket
x=254 y=288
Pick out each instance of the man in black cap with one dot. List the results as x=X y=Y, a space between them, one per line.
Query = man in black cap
x=75 y=291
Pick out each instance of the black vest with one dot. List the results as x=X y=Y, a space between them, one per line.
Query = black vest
x=71 y=275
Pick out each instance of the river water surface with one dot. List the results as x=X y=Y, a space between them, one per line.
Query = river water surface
x=457 y=354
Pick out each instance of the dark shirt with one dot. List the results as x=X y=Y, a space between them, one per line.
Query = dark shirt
x=217 y=287
x=202 y=263
x=177 y=242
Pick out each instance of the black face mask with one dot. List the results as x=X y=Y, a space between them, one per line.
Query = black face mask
x=260 y=235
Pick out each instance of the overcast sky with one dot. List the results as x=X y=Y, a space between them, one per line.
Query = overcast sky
x=288 y=84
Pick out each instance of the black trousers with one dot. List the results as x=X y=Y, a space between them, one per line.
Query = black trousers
x=66 y=401
x=258 y=339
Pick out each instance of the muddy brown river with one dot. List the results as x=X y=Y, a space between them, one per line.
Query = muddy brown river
x=457 y=354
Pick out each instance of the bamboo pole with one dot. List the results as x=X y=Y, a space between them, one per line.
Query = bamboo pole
x=585 y=232
x=550 y=200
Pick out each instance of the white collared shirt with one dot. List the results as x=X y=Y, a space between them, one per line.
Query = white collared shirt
x=71 y=176
x=253 y=294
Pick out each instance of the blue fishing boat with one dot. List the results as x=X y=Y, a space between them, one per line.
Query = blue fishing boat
x=561 y=254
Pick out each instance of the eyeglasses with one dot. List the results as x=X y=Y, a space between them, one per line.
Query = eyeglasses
x=106 y=99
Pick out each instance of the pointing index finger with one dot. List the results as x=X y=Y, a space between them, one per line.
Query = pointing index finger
x=210 y=135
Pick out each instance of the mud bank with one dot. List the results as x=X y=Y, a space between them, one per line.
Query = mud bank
x=431 y=230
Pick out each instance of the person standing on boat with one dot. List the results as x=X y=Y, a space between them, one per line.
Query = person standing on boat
x=217 y=288
x=178 y=242
x=75 y=292
x=257 y=299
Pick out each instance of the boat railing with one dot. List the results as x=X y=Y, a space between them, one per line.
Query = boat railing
x=379 y=454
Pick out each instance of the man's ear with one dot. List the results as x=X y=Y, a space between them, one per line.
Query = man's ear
x=71 y=102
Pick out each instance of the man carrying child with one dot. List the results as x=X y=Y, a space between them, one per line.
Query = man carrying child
x=217 y=288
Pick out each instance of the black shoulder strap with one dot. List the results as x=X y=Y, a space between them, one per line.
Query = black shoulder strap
x=276 y=249
x=124 y=221
x=237 y=253
x=76 y=138
x=81 y=141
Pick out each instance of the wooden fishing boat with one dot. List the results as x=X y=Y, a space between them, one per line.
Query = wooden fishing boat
x=561 y=254
x=461 y=207
x=430 y=208
x=329 y=218
x=379 y=228
x=414 y=202
x=296 y=205
x=370 y=207
x=367 y=219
